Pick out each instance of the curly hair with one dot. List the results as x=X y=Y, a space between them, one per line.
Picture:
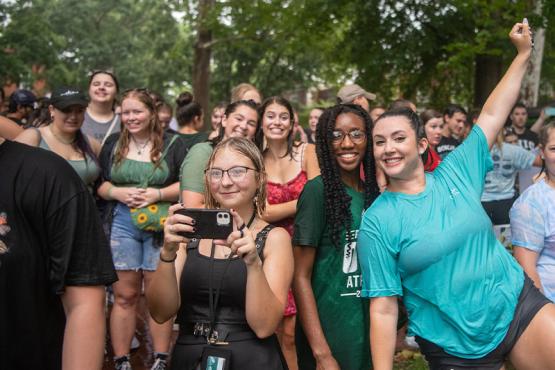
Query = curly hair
x=154 y=127
x=337 y=201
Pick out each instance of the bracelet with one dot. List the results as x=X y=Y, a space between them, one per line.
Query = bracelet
x=159 y=195
x=110 y=192
x=167 y=261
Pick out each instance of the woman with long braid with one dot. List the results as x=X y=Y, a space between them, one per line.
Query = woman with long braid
x=327 y=277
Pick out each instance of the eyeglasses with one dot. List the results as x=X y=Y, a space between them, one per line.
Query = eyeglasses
x=236 y=173
x=356 y=136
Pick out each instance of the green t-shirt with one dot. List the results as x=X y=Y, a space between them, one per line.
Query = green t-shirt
x=131 y=172
x=335 y=282
x=192 y=169
x=437 y=249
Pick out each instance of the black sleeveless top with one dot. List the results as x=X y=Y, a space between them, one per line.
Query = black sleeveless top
x=195 y=279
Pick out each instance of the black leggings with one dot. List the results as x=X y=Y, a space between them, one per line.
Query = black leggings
x=530 y=301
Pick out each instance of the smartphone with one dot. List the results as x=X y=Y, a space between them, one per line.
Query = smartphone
x=209 y=223
x=550 y=111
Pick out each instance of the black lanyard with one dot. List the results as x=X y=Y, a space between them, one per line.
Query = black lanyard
x=213 y=299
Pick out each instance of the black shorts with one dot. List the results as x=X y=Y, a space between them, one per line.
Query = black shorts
x=530 y=301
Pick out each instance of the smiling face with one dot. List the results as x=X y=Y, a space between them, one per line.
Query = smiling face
x=276 y=122
x=102 y=88
x=229 y=192
x=135 y=115
x=434 y=128
x=349 y=143
x=69 y=119
x=240 y=123
x=396 y=148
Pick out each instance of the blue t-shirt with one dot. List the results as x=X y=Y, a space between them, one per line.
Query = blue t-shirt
x=438 y=250
x=500 y=182
x=533 y=227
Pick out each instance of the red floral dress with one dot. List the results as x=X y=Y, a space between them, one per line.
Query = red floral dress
x=281 y=193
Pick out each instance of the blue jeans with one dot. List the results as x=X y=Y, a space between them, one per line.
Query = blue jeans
x=132 y=248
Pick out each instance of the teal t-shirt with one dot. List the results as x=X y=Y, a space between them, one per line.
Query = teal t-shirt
x=437 y=249
x=335 y=281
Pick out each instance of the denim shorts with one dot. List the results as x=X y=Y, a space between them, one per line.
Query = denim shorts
x=132 y=248
x=530 y=301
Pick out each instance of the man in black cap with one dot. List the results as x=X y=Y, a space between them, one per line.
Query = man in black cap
x=354 y=94
x=21 y=104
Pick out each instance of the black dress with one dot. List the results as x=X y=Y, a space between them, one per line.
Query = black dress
x=248 y=351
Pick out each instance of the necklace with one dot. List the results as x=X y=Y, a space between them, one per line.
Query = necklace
x=59 y=138
x=139 y=148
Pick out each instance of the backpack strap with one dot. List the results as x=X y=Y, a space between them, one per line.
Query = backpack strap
x=260 y=240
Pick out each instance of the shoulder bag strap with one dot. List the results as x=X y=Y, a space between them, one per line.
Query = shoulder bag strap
x=115 y=120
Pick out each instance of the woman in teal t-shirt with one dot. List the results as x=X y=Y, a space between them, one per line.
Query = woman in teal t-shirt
x=428 y=239
x=327 y=276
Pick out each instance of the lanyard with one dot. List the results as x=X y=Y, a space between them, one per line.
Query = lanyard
x=214 y=297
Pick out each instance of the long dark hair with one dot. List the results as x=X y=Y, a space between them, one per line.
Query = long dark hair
x=232 y=108
x=284 y=103
x=415 y=123
x=337 y=200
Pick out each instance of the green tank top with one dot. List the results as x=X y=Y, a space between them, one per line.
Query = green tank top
x=136 y=173
x=87 y=169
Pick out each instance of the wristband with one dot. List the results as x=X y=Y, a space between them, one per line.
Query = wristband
x=110 y=192
x=159 y=195
x=167 y=261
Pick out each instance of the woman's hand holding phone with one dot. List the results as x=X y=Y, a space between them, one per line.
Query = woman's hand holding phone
x=176 y=223
x=241 y=242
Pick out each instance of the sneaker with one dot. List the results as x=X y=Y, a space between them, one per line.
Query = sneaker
x=123 y=364
x=135 y=343
x=159 y=364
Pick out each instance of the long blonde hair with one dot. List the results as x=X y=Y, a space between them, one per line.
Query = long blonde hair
x=248 y=149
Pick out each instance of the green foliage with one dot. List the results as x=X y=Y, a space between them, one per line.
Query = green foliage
x=419 y=49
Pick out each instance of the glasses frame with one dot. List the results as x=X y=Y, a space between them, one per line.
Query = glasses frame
x=207 y=173
x=339 y=140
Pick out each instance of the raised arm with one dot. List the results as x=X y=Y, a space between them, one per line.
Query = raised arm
x=501 y=100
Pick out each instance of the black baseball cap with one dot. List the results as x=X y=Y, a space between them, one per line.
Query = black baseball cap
x=64 y=97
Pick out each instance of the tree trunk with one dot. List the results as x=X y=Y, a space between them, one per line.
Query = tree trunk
x=201 y=60
x=531 y=84
x=488 y=72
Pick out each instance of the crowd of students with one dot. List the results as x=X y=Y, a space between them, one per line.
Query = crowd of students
x=337 y=230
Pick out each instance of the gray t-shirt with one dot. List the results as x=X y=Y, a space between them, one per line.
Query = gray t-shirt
x=98 y=130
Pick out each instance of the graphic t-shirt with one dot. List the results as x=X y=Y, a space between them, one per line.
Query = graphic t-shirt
x=500 y=182
x=528 y=140
x=335 y=281
x=533 y=227
x=50 y=238
x=459 y=284
x=446 y=145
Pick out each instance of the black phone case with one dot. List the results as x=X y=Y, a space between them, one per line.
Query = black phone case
x=209 y=223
